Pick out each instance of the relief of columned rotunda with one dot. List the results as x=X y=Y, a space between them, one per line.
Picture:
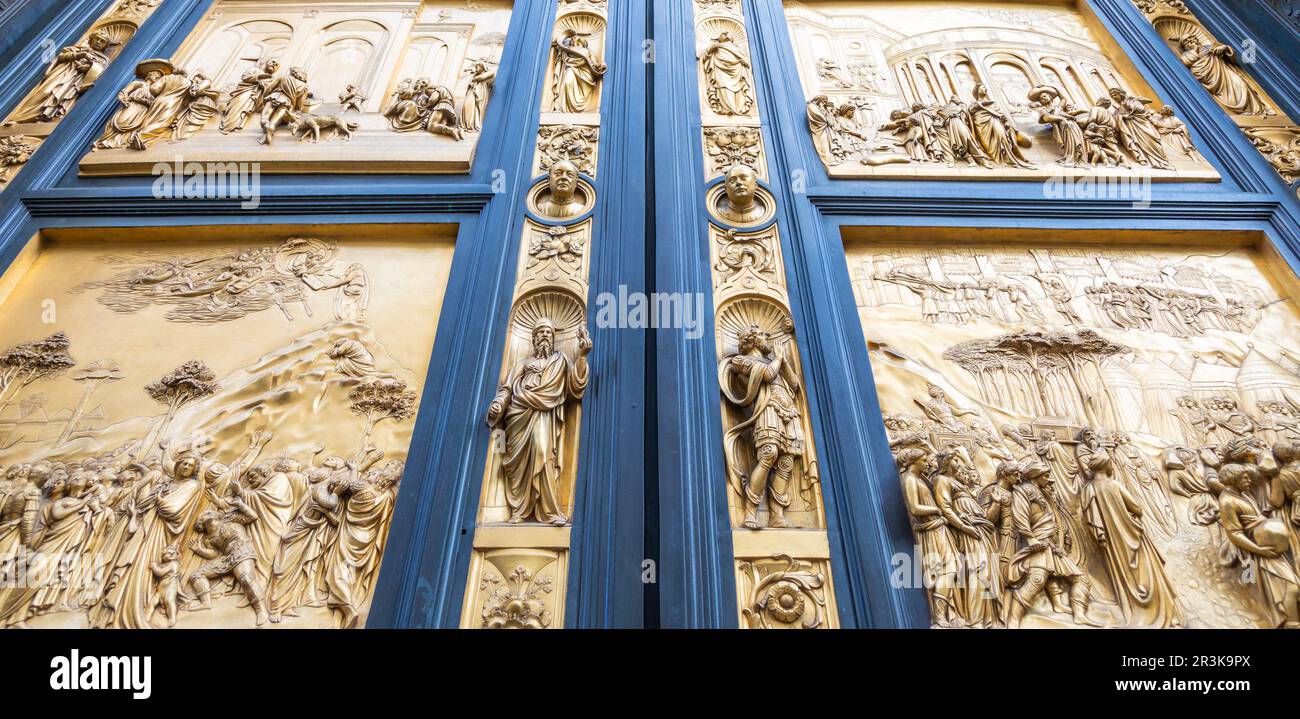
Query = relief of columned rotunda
x=925 y=90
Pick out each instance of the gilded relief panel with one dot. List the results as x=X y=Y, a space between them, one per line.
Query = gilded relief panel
x=204 y=430
x=1219 y=70
x=331 y=86
x=1091 y=436
x=71 y=72
x=980 y=90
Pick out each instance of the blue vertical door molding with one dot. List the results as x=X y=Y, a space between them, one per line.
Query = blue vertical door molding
x=697 y=582
x=606 y=546
x=423 y=583
x=866 y=525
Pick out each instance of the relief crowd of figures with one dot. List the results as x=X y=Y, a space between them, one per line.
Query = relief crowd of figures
x=167 y=102
x=1117 y=130
x=1142 y=306
x=131 y=541
x=1056 y=513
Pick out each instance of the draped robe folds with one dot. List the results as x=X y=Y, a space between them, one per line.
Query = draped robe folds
x=1067 y=132
x=534 y=396
x=131 y=582
x=272 y=502
x=1145 y=594
x=410 y=110
x=476 y=98
x=44 y=588
x=727 y=82
x=65 y=80
x=1242 y=517
x=995 y=137
x=1059 y=460
x=353 y=560
x=935 y=547
x=1035 y=521
x=202 y=107
x=1284 y=493
x=823 y=131
x=171 y=93
x=960 y=140
x=575 y=78
x=296 y=571
x=981 y=585
x=1136 y=127
x=1225 y=82
x=245 y=100
x=135 y=99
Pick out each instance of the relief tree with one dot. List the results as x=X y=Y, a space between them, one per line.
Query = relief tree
x=381 y=399
x=192 y=380
x=91 y=376
x=1036 y=358
x=29 y=362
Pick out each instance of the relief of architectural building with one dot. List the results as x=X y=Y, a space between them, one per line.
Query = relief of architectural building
x=214 y=434
x=1090 y=436
x=932 y=90
x=72 y=71
x=338 y=86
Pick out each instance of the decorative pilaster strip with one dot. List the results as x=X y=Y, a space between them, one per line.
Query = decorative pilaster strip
x=518 y=571
x=71 y=72
x=1222 y=74
x=782 y=555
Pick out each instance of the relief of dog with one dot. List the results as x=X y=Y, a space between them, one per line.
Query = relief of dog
x=307 y=125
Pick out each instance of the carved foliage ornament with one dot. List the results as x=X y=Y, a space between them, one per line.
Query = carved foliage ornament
x=784 y=597
x=575 y=143
x=727 y=146
x=515 y=603
x=14 y=151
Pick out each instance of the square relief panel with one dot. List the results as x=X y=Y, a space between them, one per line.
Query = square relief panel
x=207 y=427
x=1089 y=434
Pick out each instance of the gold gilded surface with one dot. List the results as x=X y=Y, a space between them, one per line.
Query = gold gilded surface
x=774 y=492
x=1090 y=435
x=203 y=427
x=1219 y=70
x=784 y=592
x=526 y=506
x=980 y=90
x=71 y=72
x=338 y=86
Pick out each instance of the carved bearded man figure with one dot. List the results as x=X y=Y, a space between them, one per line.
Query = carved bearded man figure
x=530 y=408
x=763 y=380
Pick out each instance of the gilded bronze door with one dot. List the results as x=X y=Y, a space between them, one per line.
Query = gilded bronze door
x=685 y=313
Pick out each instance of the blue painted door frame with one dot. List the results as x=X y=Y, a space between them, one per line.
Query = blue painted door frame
x=651 y=473
x=426 y=563
x=868 y=525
